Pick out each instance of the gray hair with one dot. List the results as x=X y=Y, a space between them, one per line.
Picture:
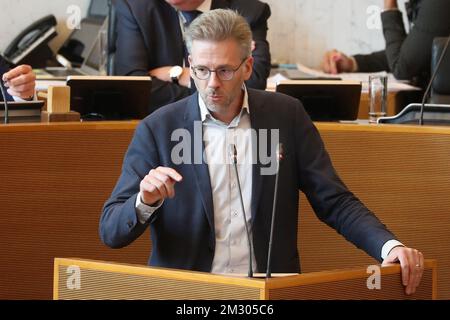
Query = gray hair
x=220 y=25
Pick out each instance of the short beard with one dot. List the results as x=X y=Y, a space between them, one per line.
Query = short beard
x=215 y=107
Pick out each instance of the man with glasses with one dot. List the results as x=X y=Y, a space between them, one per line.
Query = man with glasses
x=177 y=176
x=150 y=40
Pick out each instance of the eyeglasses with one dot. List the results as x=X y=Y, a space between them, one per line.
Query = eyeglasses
x=224 y=74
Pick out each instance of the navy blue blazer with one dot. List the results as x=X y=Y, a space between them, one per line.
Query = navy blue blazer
x=182 y=230
x=4 y=67
x=149 y=36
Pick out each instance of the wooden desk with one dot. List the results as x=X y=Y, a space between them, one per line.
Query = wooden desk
x=56 y=177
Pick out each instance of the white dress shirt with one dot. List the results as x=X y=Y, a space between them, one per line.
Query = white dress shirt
x=231 y=251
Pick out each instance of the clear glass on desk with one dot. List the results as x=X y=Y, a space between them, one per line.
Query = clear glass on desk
x=377 y=97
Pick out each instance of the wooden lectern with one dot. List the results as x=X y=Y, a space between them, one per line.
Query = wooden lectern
x=87 y=279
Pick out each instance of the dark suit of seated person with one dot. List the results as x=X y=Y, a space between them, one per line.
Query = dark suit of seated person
x=191 y=202
x=19 y=81
x=407 y=56
x=149 y=40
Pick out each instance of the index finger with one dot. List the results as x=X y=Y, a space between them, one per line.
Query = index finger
x=17 y=71
x=171 y=173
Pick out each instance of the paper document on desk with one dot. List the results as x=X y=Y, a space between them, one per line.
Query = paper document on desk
x=277 y=78
x=393 y=84
x=272 y=81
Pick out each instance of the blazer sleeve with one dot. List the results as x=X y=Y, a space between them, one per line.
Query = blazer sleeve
x=132 y=58
x=261 y=54
x=409 y=55
x=373 y=62
x=332 y=202
x=119 y=224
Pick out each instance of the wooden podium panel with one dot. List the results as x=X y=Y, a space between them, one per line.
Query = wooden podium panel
x=109 y=281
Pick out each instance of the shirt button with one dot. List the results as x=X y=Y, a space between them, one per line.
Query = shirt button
x=235 y=214
x=233 y=185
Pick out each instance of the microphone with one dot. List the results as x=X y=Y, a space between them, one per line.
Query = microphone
x=427 y=91
x=280 y=155
x=233 y=152
x=2 y=89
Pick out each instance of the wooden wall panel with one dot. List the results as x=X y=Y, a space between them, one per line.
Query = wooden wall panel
x=52 y=188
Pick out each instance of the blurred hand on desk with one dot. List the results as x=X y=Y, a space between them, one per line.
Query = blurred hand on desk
x=335 y=62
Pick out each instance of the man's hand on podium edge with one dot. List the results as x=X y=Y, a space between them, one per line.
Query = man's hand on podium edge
x=159 y=185
x=411 y=263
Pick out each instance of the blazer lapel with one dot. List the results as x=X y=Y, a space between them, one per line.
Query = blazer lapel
x=257 y=122
x=200 y=168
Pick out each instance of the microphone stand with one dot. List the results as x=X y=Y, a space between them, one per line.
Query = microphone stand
x=427 y=91
x=272 y=223
x=2 y=88
x=250 y=263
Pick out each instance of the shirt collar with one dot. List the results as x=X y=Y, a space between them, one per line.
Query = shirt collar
x=204 y=112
